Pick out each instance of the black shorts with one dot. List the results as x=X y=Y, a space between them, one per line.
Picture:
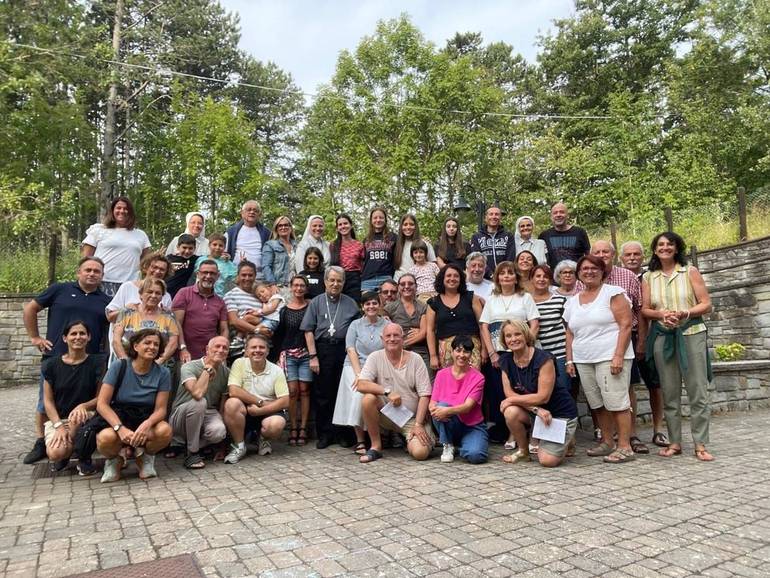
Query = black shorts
x=254 y=422
x=643 y=371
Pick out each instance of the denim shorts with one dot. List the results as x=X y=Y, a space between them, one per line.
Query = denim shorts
x=298 y=369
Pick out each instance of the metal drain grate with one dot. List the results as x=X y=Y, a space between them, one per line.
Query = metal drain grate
x=183 y=566
x=45 y=470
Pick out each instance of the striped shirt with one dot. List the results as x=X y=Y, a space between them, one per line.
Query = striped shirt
x=238 y=300
x=552 y=335
x=351 y=255
x=674 y=293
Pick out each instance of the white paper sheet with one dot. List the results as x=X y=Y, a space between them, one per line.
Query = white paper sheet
x=556 y=432
x=398 y=415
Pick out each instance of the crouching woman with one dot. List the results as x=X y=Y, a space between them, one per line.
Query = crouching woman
x=133 y=400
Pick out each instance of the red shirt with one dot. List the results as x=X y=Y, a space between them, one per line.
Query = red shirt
x=201 y=318
x=352 y=255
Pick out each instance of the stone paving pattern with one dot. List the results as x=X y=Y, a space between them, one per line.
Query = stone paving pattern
x=304 y=512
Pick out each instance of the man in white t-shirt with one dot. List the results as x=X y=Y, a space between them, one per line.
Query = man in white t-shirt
x=475 y=266
x=246 y=238
x=395 y=376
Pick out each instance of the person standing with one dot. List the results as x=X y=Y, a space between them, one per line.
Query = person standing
x=494 y=242
x=247 y=237
x=313 y=237
x=526 y=241
x=564 y=241
x=196 y=226
x=378 y=251
x=348 y=252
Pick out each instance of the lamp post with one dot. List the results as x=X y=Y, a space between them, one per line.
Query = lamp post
x=479 y=200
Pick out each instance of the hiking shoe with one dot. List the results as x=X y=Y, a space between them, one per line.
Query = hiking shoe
x=146 y=463
x=37 y=452
x=265 y=449
x=86 y=468
x=236 y=453
x=448 y=455
x=112 y=469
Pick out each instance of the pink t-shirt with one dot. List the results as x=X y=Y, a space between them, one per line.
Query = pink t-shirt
x=449 y=390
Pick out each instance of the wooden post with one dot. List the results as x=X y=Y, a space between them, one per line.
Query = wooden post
x=694 y=256
x=53 y=249
x=614 y=234
x=743 y=227
x=669 y=219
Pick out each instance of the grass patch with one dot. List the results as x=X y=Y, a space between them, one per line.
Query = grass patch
x=27 y=272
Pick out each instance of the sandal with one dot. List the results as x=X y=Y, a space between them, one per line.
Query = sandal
x=302 y=437
x=360 y=449
x=669 y=451
x=371 y=455
x=660 y=439
x=570 y=448
x=174 y=452
x=638 y=447
x=194 y=462
x=603 y=449
x=516 y=457
x=703 y=455
x=293 y=436
x=620 y=456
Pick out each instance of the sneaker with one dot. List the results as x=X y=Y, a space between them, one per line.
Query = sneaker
x=448 y=455
x=86 y=468
x=146 y=464
x=112 y=469
x=37 y=452
x=236 y=453
x=265 y=449
x=510 y=445
x=397 y=441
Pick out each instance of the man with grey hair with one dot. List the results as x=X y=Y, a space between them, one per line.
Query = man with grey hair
x=475 y=267
x=325 y=325
x=632 y=257
x=246 y=238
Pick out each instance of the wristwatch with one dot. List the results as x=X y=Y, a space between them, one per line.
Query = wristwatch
x=117 y=427
x=58 y=424
x=182 y=347
x=387 y=390
x=210 y=370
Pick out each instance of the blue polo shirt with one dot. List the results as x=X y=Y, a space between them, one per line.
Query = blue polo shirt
x=67 y=302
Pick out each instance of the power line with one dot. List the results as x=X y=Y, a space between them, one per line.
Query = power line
x=162 y=71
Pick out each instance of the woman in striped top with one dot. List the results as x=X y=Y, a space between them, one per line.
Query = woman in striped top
x=348 y=253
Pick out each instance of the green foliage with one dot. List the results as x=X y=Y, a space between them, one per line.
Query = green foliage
x=730 y=352
x=27 y=271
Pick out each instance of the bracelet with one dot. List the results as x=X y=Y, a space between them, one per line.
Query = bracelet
x=688 y=313
x=312 y=355
x=570 y=362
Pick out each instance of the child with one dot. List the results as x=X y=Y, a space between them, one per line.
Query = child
x=314 y=272
x=227 y=269
x=424 y=272
x=182 y=264
x=267 y=316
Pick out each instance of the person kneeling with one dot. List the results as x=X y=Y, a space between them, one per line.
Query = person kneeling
x=398 y=377
x=133 y=400
x=196 y=418
x=532 y=390
x=259 y=397
x=455 y=406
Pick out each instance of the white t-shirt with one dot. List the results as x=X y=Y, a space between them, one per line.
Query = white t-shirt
x=406 y=258
x=120 y=249
x=499 y=308
x=594 y=327
x=129 y=293
x=483 y=289
x=248 y=245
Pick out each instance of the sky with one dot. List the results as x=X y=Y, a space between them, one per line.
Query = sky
x=304 y=37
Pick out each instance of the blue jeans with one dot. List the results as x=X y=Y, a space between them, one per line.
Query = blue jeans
x=374 y=283
x=472 y=440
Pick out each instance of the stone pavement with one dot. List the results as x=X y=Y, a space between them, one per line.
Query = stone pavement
x=304 y=512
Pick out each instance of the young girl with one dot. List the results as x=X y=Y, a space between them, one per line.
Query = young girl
x=425 y=273
x=378 y=251
x=313 y=271
x=451 y=247
x=348 y=253
x=408 y=232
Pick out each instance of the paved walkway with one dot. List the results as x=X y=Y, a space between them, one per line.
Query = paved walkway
x=304 y=512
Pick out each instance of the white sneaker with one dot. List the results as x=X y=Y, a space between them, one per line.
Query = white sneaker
x=265 y=448
x=112 y=469
x=510 y=445
x=236 y=453
x=449 y=453
x=146 y=463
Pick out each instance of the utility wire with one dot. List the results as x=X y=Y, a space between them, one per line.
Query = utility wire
x=232 y=82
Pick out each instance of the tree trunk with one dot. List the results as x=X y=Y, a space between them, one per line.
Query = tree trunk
x=108 y=151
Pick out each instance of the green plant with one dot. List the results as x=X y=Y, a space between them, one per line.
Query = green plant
x=730 y=352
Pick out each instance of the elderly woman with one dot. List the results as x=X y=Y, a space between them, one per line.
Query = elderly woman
x=675 y=299
x=348 y=252
x=525 y=239
x=326 y=324
x=599 y=349
x=312 y=237
x=451 y=247
x=132 y=401
x=148 y=314
x=118 y=243
x=410 y=314
x=455 y=406
x=454 y=311
x=409 y=232
x=363 y=338
x=532 y=390
x=565 y=277
x=153 y=265
x=525 y=262
x=278 y=254
x=196 y=226
x=70 y=384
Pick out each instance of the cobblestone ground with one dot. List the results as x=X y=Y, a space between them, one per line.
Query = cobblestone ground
x=304 y=512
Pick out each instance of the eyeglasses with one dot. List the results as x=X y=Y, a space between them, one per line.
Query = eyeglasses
x=283 y=225
x=405 y=283
x=388 y=291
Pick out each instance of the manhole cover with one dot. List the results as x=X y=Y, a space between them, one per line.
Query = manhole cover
x=183 y=566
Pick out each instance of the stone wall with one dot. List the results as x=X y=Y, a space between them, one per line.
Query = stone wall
x=19 y=361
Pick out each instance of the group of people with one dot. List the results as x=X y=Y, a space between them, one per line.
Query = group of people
x=393 y=340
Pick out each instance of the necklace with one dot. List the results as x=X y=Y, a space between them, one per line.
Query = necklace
x=523 y=375
x=372 y=330
x=523 y=362
x=507 y=306
x=331 y=329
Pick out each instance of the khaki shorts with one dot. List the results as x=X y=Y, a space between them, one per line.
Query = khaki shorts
x=49 y=430
x=558 y=450
x=604 y=389
x=406 y=431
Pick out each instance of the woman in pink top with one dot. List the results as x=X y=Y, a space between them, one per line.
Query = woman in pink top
x=455 y=406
